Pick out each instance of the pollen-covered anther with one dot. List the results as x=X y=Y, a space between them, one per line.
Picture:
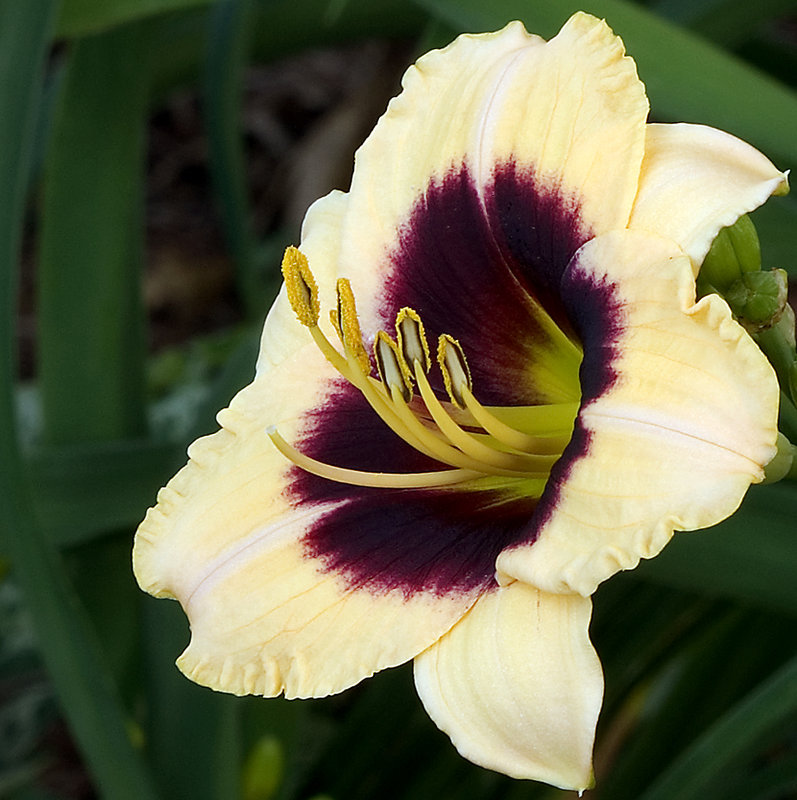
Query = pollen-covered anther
x=392 y=369
x=489 y=453
x=300 y=286
x=454 y=367
x=348 y=325
x=411 y=339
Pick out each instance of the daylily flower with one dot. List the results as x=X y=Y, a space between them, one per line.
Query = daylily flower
x=460 y=507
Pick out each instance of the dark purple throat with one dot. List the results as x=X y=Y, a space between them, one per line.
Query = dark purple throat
x=477 y=267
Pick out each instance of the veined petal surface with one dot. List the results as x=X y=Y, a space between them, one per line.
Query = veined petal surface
x=517 y=685
x=696 y=180
x=673 y=438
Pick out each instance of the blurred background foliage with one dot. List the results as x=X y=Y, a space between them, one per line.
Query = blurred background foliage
x=155 y=158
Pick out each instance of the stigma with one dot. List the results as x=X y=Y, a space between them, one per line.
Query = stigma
x=468 y=439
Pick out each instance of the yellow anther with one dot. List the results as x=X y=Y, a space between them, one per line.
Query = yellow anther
x=334 y=318
x=454 y=367
x=411 y=339
x=348 y=325
x=392 y=369
x=301 y=286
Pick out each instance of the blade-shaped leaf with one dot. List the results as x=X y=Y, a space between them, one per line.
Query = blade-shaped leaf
x=70 y=650
x=724 y=21
x=91 y=350
x=734 y=736
x=81 y=17
x=230 y=36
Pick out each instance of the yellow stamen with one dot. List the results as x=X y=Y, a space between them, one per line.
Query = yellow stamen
x=301 y=286
x=414 y=349
x=443 y=451
x=563 y=416
x=500 y=448
x=454 y=367
x=456 y=376
x=330 y=353
x=349 y=326
x=303 y=297
x=533 y=465
x=389 y=480
x=374 y=392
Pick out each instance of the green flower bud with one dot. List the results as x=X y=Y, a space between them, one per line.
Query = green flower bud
x=734 y=252
x=758 y=299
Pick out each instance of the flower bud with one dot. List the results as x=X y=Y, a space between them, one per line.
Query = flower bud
x=734 y=252
x=758 y=299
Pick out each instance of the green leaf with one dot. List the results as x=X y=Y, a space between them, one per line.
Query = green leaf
x=690 y=689
x=736 y=735
x=85 y=490
x=280 y=28
x=100 y=572
x=71 y=652
x=190 y=734
x=752 y=556
x=772 y=782
x=91 y=344
x=727 y=22
x=81 y=17
x=632 y=652
x=231 y=29
x=687 y=78
x=287 y=26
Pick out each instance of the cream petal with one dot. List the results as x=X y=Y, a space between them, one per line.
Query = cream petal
x=696 y=180
x=570 y=113
x=673 y=444
x=225 y=539
x=517 y=685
